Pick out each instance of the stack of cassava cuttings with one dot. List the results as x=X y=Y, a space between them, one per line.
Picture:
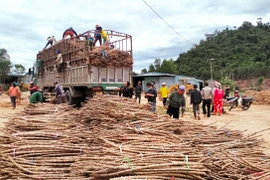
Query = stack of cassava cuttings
x=260 y=97
x=114 y=138
x=115 y=58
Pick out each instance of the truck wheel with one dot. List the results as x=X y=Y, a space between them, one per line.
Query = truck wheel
x=69 y=99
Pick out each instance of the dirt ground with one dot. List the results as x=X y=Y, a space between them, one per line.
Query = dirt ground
x=255 y=119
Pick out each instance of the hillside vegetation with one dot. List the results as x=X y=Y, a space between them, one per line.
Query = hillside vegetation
x=240 y=53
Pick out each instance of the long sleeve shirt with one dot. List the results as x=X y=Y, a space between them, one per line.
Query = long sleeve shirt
x=195 y=97
x=207 y=93
x=138 y=89
x=152 y=98
x=127 y=92
x=59 y=90
x=36 y=97
x=177 y=100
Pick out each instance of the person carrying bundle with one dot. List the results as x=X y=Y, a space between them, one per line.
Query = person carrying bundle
x=70 y=32
x=51 y=41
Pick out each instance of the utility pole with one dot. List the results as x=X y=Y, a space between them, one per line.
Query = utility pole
x=211 y=68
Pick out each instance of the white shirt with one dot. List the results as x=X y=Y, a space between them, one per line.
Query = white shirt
x=51 y=38
x=59 y=59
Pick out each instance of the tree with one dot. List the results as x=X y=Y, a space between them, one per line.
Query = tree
x=5 y=64
x=19 y=69
x=157 y=64
x=168 y=66
x=260 y=82
x=151 y=68
x=144 y=71
x=240 y=53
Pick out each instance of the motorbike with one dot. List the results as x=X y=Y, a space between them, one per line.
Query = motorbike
x=244 y=102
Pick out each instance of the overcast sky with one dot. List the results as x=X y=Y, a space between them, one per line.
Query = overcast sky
x=25 y=24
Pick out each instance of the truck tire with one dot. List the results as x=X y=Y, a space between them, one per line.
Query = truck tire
x=69 y=99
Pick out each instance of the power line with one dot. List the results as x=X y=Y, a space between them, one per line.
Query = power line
x=166 y=22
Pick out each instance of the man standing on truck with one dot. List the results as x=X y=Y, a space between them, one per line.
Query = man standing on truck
x=51 y=40
x=97 y=35
x=59 y=93
x=70 y=32
x=59 y=63
x=104 y=37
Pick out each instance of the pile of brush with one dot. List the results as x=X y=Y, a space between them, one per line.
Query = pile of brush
x=114 y=138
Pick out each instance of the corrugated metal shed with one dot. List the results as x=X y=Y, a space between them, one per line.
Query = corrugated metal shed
x=169 y=79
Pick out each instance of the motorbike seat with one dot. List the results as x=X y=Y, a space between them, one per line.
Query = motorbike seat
x=247 y=98
x=230 y=98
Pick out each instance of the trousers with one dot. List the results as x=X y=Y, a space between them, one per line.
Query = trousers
x=206 y=103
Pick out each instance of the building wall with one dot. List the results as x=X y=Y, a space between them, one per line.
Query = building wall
x=159 y=80
x=168 y=80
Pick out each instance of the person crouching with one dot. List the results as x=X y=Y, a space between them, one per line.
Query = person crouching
x=36 y=97
x=59 y=93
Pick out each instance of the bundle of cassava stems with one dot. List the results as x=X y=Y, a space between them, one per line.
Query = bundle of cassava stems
x=115 y=138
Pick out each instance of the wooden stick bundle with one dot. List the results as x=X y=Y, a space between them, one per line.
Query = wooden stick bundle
x=113 y=138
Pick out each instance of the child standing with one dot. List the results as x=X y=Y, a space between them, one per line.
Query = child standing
x=195 y=100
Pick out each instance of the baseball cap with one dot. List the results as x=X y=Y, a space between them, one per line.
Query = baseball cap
x=163 y=83
x=182 y=88
x=97 y=25
x=149 y=84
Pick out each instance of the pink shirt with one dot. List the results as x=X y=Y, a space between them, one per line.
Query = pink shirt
x=218 y=93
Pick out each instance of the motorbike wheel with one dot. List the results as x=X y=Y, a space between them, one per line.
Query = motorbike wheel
x=246 y=107
x=231 y=107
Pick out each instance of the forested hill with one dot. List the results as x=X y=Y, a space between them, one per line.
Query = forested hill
x=238 y=53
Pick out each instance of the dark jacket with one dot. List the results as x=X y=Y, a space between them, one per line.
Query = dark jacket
x=195 y=97
x=138 y=90
x=150 y=98
x=127 y=92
